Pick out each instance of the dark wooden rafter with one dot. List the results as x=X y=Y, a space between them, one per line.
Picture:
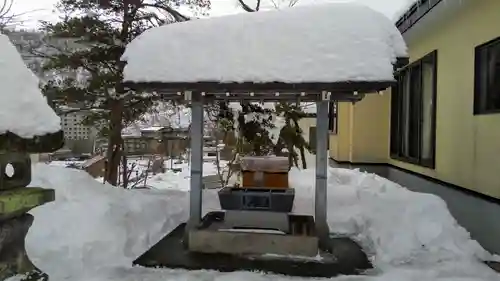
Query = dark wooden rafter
x=263 y=91
x=273 y=87
x=346 y=90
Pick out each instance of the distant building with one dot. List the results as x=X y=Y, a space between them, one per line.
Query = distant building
x=78 y=136
x=172 y=141
x=152 y=140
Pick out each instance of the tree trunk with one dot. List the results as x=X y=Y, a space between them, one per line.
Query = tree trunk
x=125 y=173
x=301 y=148
x=303 y=157
x=115 y=141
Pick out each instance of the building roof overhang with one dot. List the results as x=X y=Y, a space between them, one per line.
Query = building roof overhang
x=424 y=15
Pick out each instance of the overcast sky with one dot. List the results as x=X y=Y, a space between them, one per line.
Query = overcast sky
x=43 y=9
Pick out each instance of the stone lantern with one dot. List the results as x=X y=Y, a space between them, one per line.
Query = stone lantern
x=28 y=125
x=16 y=199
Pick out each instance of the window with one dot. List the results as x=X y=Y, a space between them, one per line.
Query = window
x=487 y=78
x=332 y=118
x=413 y=113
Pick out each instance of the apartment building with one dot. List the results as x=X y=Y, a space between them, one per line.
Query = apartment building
x=78 y=136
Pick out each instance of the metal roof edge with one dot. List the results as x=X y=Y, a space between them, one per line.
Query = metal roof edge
x=415 y=13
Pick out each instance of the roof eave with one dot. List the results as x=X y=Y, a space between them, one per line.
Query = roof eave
x=426 y=15
x=415 y=13
x=274 y=91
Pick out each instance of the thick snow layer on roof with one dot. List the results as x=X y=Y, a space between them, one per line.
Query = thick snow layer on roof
x=23 y=109
x=332 y=42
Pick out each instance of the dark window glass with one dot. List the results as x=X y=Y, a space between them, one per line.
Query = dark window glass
x=487 y=78
x=413 y=106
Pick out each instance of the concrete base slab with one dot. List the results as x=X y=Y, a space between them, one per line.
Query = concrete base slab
x=344 y=258
x=259 y=219
x=214 y=235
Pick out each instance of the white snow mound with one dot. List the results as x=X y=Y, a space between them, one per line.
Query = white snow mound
x=93 y=225
x=92 y=232
x=396 y=225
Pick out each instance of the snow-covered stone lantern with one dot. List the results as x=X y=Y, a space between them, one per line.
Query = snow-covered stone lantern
x=27 y=125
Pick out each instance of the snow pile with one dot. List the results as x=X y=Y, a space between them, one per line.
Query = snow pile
x=171 y=180
x=403 y=231
x=94 y=231
x=92 y=225
x=20 y=93
x=317 y=43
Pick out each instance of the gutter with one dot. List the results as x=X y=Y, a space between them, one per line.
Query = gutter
x=427 y=15
x=415 y=13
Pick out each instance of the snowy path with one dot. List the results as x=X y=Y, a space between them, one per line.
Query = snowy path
x=93 y=232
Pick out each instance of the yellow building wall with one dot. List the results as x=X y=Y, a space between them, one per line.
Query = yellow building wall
x=363 y=131
x=370 y=129
x=305 y=124
x=340 y=143
x=467 y=146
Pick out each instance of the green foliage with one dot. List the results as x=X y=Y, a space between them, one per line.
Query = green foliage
x=291 y=136
x=89 y=69
x=254 y=133
x=255 y=139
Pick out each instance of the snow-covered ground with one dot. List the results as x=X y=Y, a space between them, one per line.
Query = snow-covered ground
x=93 y=232
x=171 y=180
x=175 y=177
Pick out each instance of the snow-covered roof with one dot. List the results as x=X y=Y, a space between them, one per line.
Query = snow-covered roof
x=24 y=111
x=327 y=43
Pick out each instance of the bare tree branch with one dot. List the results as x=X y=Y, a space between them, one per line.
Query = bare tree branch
x=248 y=8
x=165 y=8
x=6 y=8
x=7 y=18
x=292 y=3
